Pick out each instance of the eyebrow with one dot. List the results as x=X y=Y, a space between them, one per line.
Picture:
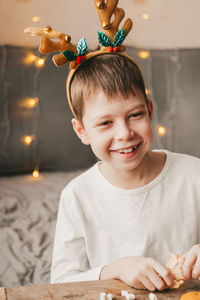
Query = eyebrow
x=138 y=106
x=98 y=119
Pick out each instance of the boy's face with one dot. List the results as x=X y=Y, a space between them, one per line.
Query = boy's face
x=119 y=131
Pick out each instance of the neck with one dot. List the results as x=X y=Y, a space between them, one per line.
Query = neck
x=150 y=167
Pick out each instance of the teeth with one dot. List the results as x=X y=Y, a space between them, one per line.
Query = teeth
x=126 y=150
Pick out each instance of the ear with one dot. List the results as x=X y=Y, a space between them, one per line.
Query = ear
x=150 y=108
x=80 y=131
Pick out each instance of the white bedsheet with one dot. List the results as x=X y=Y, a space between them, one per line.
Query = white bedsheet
x=28 y=210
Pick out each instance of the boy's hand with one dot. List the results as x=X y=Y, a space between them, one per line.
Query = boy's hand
x=190 y=262
x=140 y=273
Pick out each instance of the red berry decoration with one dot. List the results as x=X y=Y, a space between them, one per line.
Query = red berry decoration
x=78 y=59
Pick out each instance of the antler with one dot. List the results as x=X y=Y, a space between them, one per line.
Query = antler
x=47 y=46
x=105 y=12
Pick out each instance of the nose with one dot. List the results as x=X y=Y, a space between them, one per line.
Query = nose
x=123 y=131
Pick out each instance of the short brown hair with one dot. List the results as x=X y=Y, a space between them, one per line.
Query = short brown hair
x=110 y=73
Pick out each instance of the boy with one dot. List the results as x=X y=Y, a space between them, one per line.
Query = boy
x=123 y=217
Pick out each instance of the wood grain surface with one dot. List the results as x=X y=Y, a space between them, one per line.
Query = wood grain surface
x=90 y=290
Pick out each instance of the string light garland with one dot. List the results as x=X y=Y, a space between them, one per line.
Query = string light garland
x=31 y=103
x=31 y=58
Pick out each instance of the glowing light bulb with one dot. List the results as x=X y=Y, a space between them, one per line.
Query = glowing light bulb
x=27 y=140
x=144 y=54
x=39 y=62
x=148 y=91
x=145 y=16
x=31 y=102
x=162 y=130
x=30 y=58
x=28 y=103
x=35 y=173
x=36 y=19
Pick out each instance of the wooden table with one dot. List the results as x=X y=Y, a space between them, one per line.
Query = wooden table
x=89 y=290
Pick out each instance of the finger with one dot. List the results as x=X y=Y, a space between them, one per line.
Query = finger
x=148 y=284
x=165 y=273
x=196 y=269
x=138 y=285
x=157 y=281
x=171 y=274
x=182 y=259
x=188 y=265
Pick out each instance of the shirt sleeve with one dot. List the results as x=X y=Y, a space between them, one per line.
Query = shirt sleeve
x=70 y=261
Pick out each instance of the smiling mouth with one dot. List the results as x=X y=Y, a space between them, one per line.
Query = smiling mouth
x=128 y=150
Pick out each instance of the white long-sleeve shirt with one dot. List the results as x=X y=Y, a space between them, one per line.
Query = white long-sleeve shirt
x=99 y=223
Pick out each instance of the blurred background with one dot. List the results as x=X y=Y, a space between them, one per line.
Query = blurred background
x=39 y=152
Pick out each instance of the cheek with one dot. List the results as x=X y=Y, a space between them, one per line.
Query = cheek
x=149 y=134
x=146 y=131
x=100 y=142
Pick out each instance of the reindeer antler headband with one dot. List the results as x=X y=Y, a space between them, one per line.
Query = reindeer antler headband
x=111 y=40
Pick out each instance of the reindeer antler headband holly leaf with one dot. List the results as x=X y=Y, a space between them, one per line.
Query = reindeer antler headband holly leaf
x=82 y=50
x=105 y=41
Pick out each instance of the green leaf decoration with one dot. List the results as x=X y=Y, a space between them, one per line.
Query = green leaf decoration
x=119 y=38
x=104 y=40
x=70 y=55
x=82 y=47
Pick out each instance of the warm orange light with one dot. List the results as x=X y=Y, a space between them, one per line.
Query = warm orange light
x=36 y=19
x=162 y=130
x=148 y=91
x=31 y=102
x=145 y=16
x=28 y=139
x=144 y=54
x=30 y=58
x=39 y=62
x=35 y=173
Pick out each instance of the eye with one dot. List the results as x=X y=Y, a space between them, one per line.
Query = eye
x=137 y=115
x=105 y=123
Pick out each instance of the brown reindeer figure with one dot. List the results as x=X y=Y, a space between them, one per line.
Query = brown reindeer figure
x=105 y=12
x=48 y=46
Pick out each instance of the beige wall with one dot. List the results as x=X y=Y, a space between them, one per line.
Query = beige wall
x=171 y=23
